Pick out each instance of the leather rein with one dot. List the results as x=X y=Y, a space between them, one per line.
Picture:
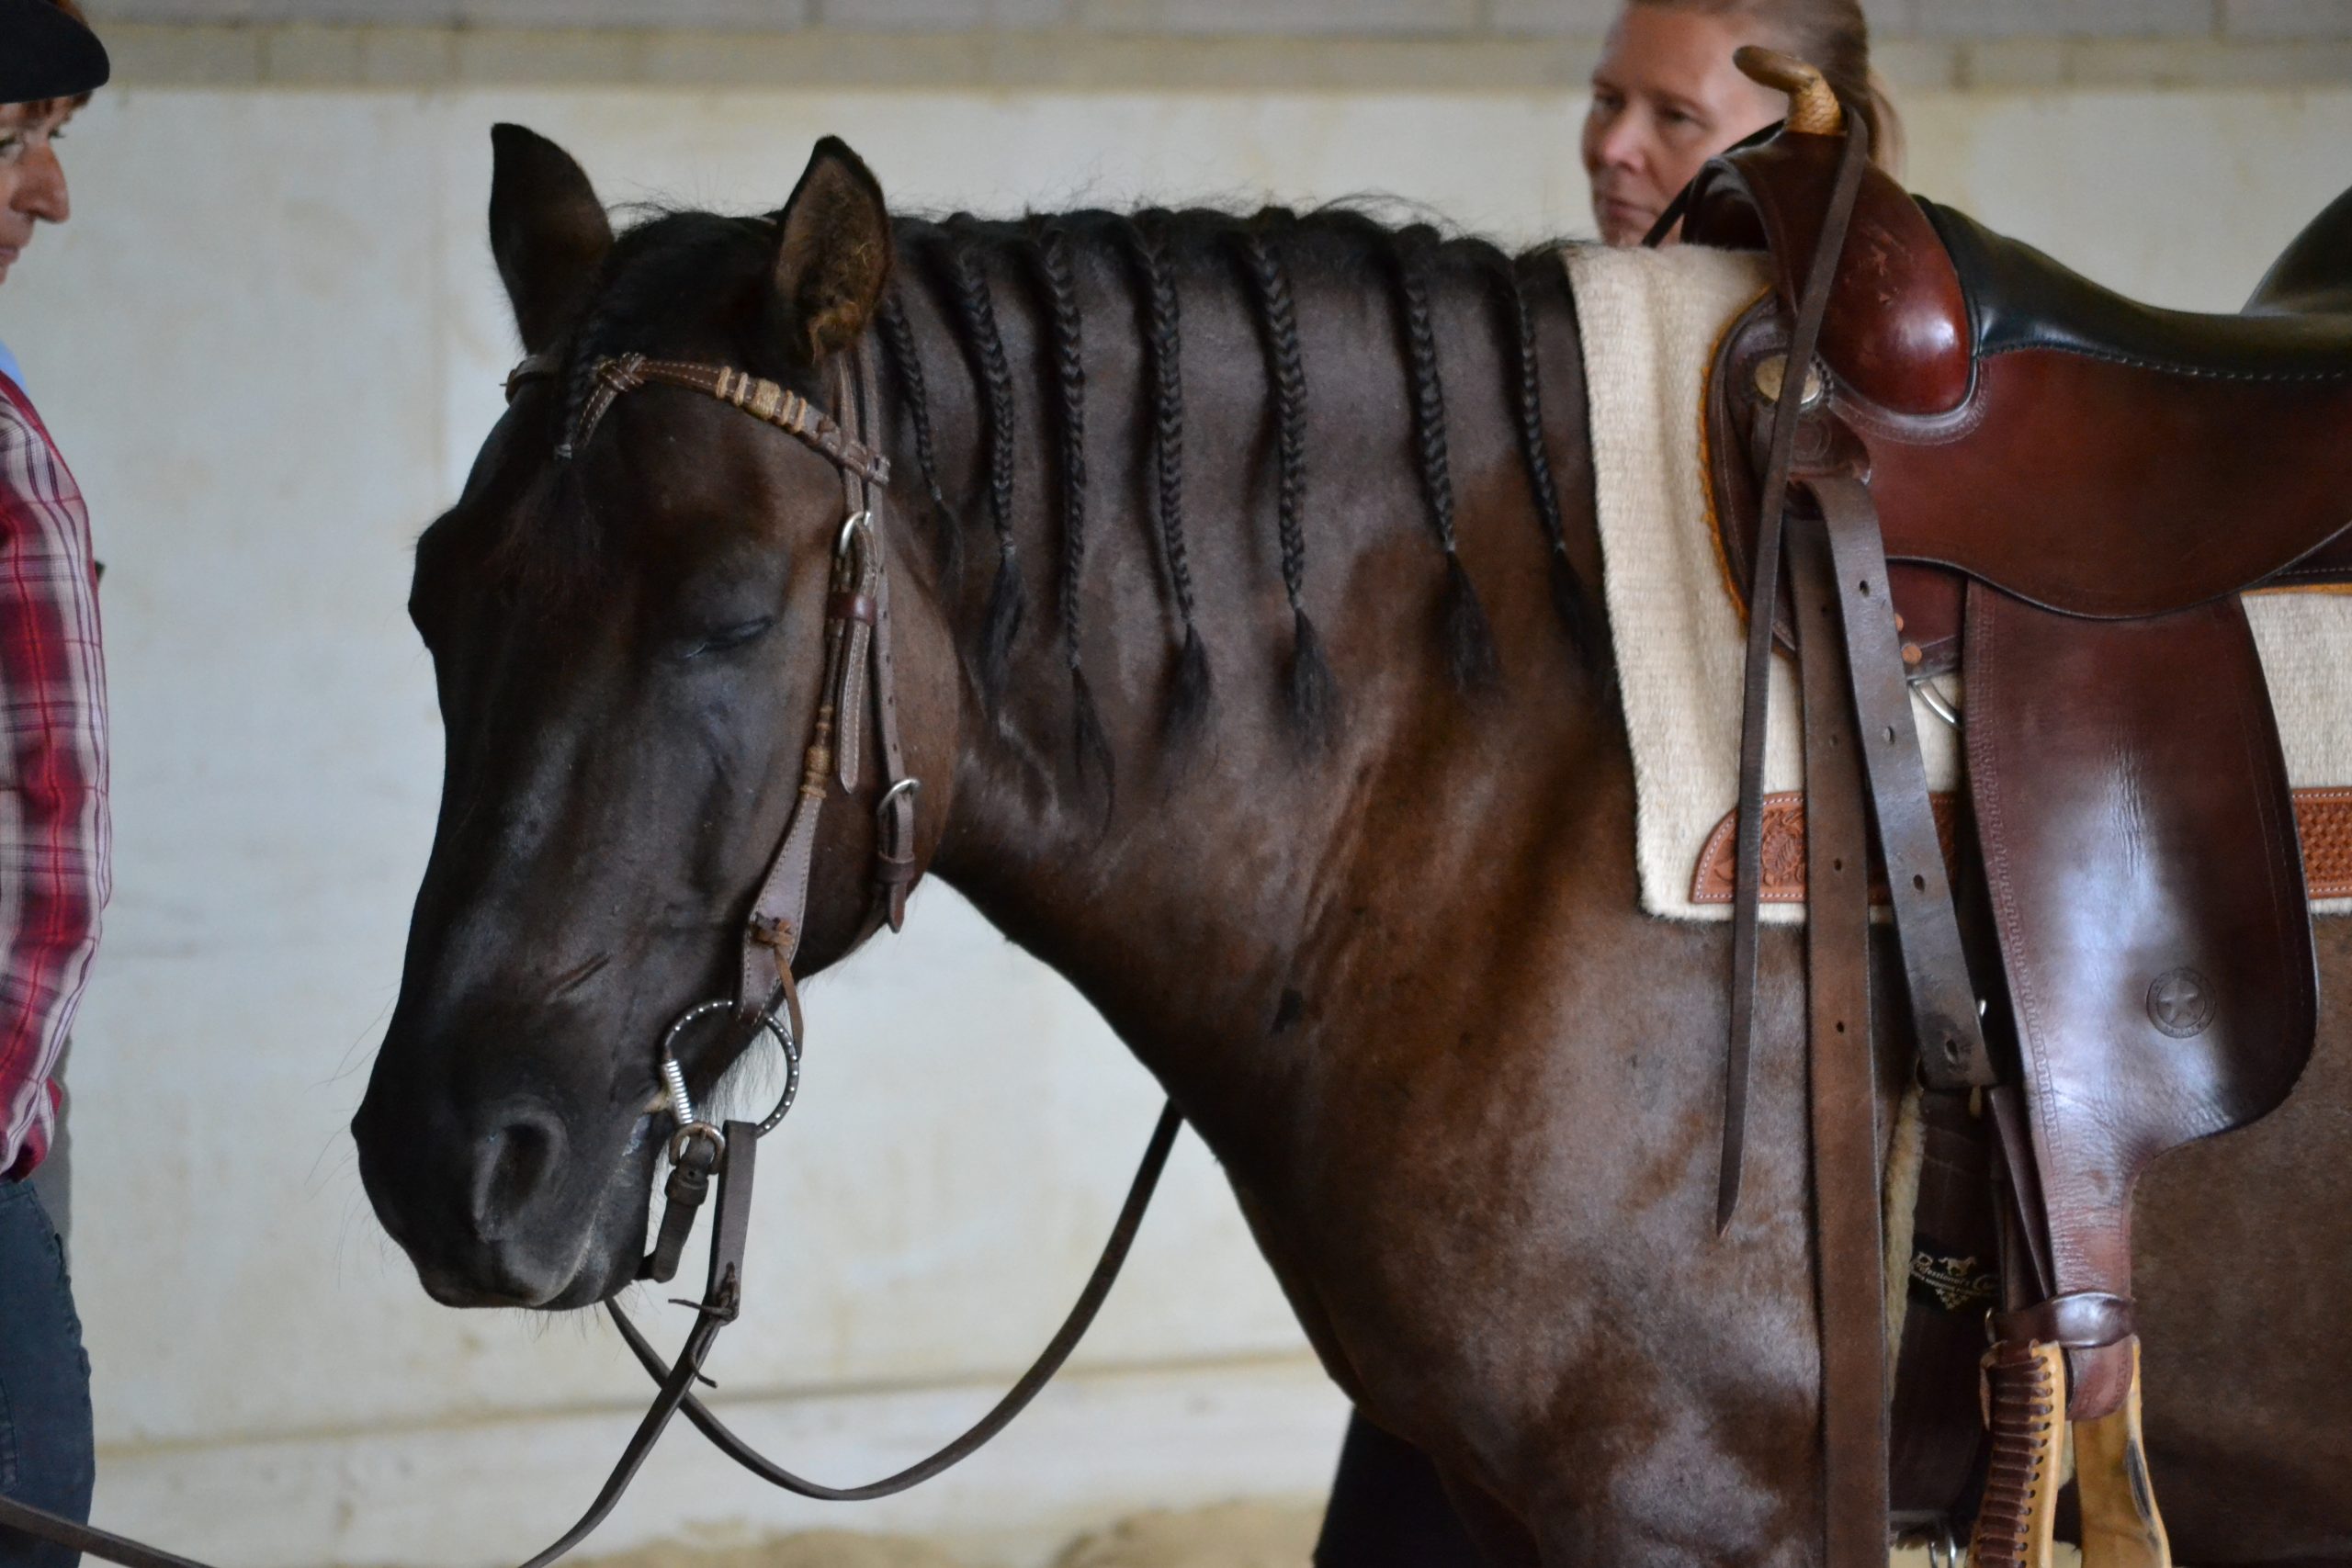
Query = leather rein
x=706 y=1155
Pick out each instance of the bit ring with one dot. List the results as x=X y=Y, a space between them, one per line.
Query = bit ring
x=675 y=1079
x=685 y=1136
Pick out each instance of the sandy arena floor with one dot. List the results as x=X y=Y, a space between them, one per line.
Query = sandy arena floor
x=1237 y=1535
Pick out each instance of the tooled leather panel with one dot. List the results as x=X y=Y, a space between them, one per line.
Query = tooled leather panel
x=2323 y=821
x=2146 y=885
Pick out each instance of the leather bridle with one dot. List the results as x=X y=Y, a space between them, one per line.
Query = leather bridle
x=703 y=1154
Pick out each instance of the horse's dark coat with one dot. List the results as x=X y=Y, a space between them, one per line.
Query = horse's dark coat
x=1467 y=1095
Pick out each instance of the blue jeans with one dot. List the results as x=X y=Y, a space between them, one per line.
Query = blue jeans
x=45 y=1452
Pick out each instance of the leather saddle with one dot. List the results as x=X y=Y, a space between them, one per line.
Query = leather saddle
x=2071 y=490
x=2029 y=429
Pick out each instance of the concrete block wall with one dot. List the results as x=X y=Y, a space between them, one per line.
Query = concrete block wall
x=1349 y=45
x=1933 y=18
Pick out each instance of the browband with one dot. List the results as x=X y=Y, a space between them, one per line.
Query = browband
x=762 y=400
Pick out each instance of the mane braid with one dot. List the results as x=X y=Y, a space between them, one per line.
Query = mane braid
x=1313 y=692
x=1569 y=601
x=580 y=378
x=906 y=356
x=986 y=347
x=1470 y=641
x=1189 y=693
x=1089 y=746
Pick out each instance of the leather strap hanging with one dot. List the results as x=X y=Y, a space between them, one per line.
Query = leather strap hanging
x=1842 y=1082
x=1763 y=599
x=1948 y=1028
x=1032 y=1382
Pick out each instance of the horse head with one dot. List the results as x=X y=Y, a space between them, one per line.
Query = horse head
x=627 y=614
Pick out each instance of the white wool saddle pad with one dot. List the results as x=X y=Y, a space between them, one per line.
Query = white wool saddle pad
x=1650 y=323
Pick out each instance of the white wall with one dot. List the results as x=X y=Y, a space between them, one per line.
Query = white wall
x=269 y=342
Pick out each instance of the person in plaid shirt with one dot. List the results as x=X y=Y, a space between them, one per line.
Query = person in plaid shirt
x=53 y=828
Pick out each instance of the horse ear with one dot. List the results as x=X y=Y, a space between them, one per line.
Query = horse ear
x=547 y=229
x=833 y=250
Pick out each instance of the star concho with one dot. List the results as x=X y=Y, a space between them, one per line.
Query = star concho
x=2181 y=1003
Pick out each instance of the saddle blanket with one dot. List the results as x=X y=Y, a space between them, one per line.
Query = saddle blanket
x=1650 y=322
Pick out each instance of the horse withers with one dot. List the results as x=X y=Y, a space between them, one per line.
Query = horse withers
x=1249 y=648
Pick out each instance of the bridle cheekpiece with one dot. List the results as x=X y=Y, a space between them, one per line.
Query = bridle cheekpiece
x=859 y=674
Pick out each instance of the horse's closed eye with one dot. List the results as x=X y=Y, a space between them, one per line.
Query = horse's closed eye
x=736 y=636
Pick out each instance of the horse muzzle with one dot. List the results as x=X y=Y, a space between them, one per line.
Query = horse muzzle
x=495 y=1206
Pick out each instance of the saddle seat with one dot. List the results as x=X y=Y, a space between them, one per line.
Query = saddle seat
x=2313 y=275
x=2029 y=430
x=2020 y=298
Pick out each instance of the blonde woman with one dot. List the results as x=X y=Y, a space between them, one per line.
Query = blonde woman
x=1666 y=96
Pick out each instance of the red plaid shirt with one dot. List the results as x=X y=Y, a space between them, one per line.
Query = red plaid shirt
x=55 y=833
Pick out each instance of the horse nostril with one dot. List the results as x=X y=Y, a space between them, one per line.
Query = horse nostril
x=513 y=1165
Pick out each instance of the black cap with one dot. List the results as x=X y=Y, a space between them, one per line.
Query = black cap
x=44 y=53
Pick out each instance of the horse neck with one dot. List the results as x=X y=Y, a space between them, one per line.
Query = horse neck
x=1202 y=893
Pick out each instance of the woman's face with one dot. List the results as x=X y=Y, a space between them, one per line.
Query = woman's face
x=1666 y=97
x=32 y=181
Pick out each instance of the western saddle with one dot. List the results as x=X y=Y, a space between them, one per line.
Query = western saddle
x=1958 y=455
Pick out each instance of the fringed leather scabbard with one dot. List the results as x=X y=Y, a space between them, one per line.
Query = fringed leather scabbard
x=2025 y=1404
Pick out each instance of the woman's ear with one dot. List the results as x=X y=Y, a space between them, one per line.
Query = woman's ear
x=833 y=251
x=547 y=229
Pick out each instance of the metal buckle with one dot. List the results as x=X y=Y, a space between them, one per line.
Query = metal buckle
x=858 y=524
x=674 y=1077
x=684 y=1138
x=907 y=786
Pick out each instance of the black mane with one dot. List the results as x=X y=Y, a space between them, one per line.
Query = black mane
x=703 y=260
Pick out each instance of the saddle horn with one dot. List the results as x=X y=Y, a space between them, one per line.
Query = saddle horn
x=1812 y=107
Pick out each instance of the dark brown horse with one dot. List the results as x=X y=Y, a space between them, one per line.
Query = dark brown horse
x=1304 y=764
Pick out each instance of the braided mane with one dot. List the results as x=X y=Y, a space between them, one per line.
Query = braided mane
x=965 y=265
